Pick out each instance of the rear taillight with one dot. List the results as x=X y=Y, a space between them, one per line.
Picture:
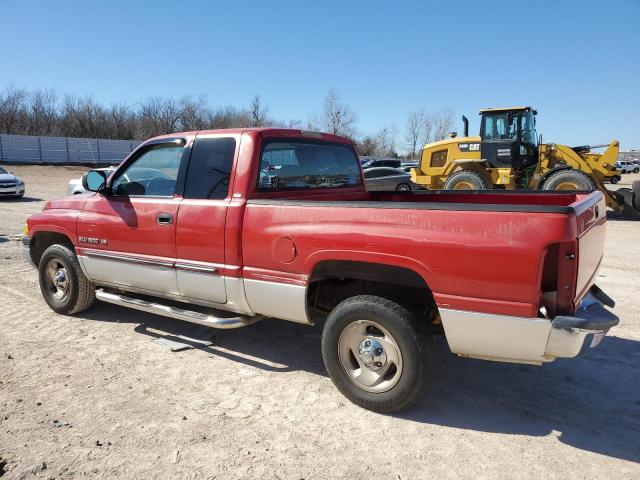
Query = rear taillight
x=557 y=283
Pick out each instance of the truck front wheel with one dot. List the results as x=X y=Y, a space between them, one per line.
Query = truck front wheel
x=62 y=283
x=377 y=353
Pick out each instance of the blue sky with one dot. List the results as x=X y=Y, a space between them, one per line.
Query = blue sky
x=578 y=62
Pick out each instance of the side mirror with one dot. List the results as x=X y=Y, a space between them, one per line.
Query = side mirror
x=94 y=180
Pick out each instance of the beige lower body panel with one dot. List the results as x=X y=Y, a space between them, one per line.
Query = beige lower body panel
x=496 y=337
x=278 y=300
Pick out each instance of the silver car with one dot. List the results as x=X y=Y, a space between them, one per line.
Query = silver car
x=10 y=185
x=387 y=179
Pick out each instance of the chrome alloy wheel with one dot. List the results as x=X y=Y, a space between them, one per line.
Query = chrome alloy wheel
x=57 y=280
x=370 y=356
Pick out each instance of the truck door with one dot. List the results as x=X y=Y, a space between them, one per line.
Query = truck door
x=200 y=237
x=127 y=235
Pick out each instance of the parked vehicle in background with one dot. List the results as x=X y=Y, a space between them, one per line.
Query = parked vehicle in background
x=506 y=276
x=75 y=185
x=627 y=167
x=407 y=166
x=388 y=179
x=10 y=185
x=382 y=162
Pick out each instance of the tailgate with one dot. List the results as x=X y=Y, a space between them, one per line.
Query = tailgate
x=591 y=214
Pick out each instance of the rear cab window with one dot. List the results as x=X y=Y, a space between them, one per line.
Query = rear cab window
x=307 y=165
x=210 y=168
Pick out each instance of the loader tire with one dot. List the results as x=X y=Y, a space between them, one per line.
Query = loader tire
x=635 y=187
x=568 y=180
x=465 y=180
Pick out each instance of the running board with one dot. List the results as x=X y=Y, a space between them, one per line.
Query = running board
x=175 y=312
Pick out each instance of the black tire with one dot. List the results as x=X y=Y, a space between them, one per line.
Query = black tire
x=635 y=188
x=413 y=340
x=403 y=187
x=79 y=292
x=562 y=179
x=636 y=170
x=614 y=180
x=465 y=180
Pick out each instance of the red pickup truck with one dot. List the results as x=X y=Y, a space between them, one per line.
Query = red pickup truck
x=224 y=228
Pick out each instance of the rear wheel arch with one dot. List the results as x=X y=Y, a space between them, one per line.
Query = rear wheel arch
x=333 y=281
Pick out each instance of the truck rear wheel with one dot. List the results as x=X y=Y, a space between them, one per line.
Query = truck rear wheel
x=465 y=180
x=615 y=179
x=62 y=283
x=568 y=180
x=377 y=353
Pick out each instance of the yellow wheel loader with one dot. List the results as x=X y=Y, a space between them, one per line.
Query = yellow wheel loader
x=509 y=155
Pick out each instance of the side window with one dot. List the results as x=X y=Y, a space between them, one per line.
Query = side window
x=153 y=173
x=439 y=158
x=210 y=168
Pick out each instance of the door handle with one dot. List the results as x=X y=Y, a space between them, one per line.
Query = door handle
x=164 y=219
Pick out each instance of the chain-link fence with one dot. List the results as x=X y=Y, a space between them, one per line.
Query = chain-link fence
x=63 y=150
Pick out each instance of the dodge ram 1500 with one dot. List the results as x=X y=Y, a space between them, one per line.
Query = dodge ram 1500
x=224 y=228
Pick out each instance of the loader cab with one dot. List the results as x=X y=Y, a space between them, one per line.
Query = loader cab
x=509 y=137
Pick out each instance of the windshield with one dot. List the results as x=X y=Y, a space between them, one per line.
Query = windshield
x=2 y=170
x=504 y=126
x=307 y=165
x=498 y=126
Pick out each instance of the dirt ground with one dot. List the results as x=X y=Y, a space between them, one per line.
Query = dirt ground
x=92 y=396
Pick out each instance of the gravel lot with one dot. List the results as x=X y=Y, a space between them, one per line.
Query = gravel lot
x=93 y=395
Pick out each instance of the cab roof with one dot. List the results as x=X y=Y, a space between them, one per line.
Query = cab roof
x=507 y=109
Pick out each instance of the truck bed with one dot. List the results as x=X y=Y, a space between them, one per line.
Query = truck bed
x=481 y=258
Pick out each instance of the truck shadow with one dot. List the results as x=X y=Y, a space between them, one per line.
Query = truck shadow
x=591 y=403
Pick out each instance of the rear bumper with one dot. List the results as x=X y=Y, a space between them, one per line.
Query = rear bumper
x=571 y=336
x=529 y=340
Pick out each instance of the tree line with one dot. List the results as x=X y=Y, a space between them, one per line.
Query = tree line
x=45 y=112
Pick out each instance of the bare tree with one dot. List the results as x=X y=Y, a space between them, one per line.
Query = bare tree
x=442 y=123
x=368 y=146
x=416 y=123
x=386 y=139
x=258 y=112
x=337 y=118
x=43 y=113
x=123 y=122
x=12 y=109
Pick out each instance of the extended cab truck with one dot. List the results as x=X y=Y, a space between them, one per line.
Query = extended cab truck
x=233 y=226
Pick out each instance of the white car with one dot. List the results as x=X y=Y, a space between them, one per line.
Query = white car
x=75 y=186
x=10 y=185
x=628 y=167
